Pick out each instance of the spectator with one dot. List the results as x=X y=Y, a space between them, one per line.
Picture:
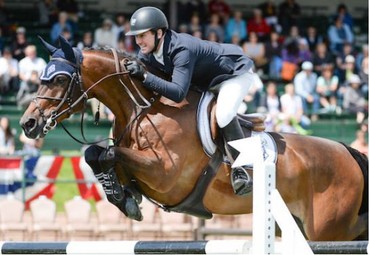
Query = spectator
x=195 y=25
x=349 y=67
x=305 y=87
x=236 y=26
x=19 y=44
x=48 y=12
x=361 y=55
x=7 y=144
x=31 y=147
x=258 y=25
x=87 y=41
x=304 y=51
x=322 y=57
x=312 y=38
x=342 y=12
x=8 y=72
x=27 y=90
x=293 y=36
x=269 y=12
x=364 y=76
x=198 y=8
x=215 y=26
x=105 y=35
x=66 y=34
x=290 y=60
x=212 y=37
x=236 y=40
x=353 y=100
x=251 y=101
x=289 y=13
x=339 y=34
x=255 y=50
x=360 y=143
x=59 y=26
x=198 y=34
x=119 y=26
x=292 y=110
x=30 y=69
x=219 y=7
x=270 y=103
x=126 y=43
x=342 y=61
x=273 y=54
x=71 y=8
x=327 y=85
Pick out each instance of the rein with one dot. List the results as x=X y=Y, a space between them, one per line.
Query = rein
x=51 y=121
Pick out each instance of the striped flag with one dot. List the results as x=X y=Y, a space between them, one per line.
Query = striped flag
x=42 y=169
x=87 y=183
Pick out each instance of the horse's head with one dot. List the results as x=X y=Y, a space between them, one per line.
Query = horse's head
x=60 y=93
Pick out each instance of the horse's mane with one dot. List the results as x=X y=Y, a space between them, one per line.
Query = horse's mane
x=107 y=50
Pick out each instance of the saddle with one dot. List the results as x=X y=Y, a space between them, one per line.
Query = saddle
x=252 y=124
x=208 y=128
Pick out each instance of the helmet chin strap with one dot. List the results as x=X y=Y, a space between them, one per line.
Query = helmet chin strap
x=156 y=41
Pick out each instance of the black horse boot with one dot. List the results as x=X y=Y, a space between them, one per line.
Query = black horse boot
x=240 y=179
x=116 y=194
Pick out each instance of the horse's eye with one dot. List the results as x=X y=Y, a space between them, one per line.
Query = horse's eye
x=60 y=80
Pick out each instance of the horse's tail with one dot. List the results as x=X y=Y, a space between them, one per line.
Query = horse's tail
x=363 y=162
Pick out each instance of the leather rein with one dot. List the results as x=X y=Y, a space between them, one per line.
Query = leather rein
x=76 y=81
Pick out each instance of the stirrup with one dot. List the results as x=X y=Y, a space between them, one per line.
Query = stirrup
x=241 y=181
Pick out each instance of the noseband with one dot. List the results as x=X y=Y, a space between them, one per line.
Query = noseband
x=76 y=81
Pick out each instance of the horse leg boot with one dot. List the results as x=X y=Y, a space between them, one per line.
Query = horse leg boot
x=116 y=197
x=125 y=199
x=240 y=179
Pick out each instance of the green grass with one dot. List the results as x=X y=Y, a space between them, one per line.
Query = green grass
x=66 y=189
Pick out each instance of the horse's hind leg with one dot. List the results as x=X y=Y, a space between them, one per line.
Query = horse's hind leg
x=360 y=229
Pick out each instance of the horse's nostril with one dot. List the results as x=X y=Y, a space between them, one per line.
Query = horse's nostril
x=30 y=124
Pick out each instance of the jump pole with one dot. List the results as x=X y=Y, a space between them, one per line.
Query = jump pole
x=127 y=247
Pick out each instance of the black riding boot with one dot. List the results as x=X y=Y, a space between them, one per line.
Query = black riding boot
x=240 y=179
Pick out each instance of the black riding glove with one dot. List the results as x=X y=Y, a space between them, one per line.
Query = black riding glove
x=135 y=69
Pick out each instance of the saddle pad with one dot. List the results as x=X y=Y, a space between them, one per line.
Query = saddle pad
x=203 y=125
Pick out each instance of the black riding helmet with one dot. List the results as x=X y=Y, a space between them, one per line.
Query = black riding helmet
x=147 y=18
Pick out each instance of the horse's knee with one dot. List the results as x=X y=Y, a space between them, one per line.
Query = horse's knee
x=92 y=154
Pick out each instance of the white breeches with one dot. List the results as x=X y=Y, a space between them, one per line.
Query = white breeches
x=231 y=95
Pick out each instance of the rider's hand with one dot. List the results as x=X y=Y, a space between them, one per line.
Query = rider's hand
x=135 y=69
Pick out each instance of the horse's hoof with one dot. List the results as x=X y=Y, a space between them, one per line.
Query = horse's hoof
x=134 y=193
x=132 y=209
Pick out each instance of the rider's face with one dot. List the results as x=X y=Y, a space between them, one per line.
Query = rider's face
x=145 y=41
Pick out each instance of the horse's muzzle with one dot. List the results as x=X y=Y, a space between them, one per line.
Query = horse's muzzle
x=31 y=127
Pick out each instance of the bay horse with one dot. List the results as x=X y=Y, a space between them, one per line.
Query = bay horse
x=157 y=145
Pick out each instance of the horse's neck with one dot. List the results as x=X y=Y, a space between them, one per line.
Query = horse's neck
x=113 y=92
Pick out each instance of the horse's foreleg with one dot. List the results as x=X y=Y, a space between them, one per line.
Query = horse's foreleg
x=159 y=172
x=102 y=162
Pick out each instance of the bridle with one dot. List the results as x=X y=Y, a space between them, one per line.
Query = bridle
x=67 y=98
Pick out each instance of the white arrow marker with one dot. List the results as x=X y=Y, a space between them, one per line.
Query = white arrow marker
x=250 y=151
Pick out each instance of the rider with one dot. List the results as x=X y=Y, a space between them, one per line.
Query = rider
x=223 y=68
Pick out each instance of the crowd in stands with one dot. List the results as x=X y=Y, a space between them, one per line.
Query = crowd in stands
x=321 y=72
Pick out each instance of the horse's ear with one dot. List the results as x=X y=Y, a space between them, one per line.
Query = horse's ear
x=50 y=48
x=67 y=49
